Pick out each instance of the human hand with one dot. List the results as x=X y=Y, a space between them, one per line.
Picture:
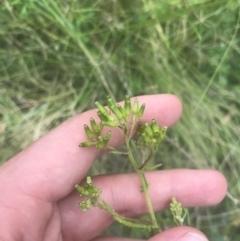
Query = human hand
x=38 y=200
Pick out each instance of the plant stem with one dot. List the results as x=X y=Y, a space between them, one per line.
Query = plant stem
x=145 y=162
x=144 y=186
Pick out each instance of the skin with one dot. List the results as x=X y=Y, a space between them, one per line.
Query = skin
x=37 y=196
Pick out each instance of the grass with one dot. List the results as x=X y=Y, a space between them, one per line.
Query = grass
x=58 y=57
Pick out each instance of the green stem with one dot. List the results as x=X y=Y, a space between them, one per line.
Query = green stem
x=145 y=162
x=144 y=186
x=116 y=151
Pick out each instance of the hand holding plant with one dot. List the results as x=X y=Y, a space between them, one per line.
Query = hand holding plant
x=147 y=138
x=38 y=200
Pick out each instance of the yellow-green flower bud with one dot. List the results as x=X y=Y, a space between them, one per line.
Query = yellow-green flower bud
x=96 y=128
x=102 y=116
x=135 y=107
x=155 y=127
x=106 y=139
x=100 y=145
x=148 y=130
x=109 y=118
x=141 y=111
x=121 y=110
x=101 y=108
x=93 y=124
x=146 y=138
x=109 y=123
x=89 y=180
x=127 y=106
x=111 y=102
x=108 y=135
x=86 y=144
x=163 y=131
x=154 y=142
x=85 y=205
x=79 y=188
x=100 y=139
x=89 y=132
x=160 y=136
x=117 y=112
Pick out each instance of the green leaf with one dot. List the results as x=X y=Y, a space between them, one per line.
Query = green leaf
x=150 y=168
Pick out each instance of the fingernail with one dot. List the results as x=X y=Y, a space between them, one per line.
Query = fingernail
x=192 y=237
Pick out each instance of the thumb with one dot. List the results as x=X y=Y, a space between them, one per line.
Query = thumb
x=180 y=234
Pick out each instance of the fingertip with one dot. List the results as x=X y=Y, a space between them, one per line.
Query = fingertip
x=220 y=185
x=194 y=188
x=213 y=188
x=175 y=107
x=166 y=108
x=183 y=233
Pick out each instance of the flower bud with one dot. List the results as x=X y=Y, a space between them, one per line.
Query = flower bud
x=121 y=110
x=111 y=102
x=101 y=108
x=127 y=106
x=135 y=107
x=106 y=139
x=100 y=145
x=108 y=135
x=148 y=130
x=141 y=111
x=160 y=136
x=89 y=180
x=146 y=138
x=86 y=144
x=155 y=127
x=109 y=123
x=117 y=112
x=85 y=205
x=89 y=132
x=79 y=188
x=100 y=139
x=96 y=128
x=93 y=124
x=163 y=131
x=102 y=116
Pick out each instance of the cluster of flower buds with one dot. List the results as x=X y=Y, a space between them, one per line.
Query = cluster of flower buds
x=152 y=134
x=120 y=119
x=179 y=213
x=122 y=114
x=90 y=192
x=96 y=139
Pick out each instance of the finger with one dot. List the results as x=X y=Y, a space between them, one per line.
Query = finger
x=55 y=162
x=180 y=234
x=173 y=234
x=122 y=192
x=112 y=238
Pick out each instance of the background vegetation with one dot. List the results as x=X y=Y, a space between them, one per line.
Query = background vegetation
x=58 y=56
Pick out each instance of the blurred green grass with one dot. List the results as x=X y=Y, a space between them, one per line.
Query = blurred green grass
x=58 y=57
